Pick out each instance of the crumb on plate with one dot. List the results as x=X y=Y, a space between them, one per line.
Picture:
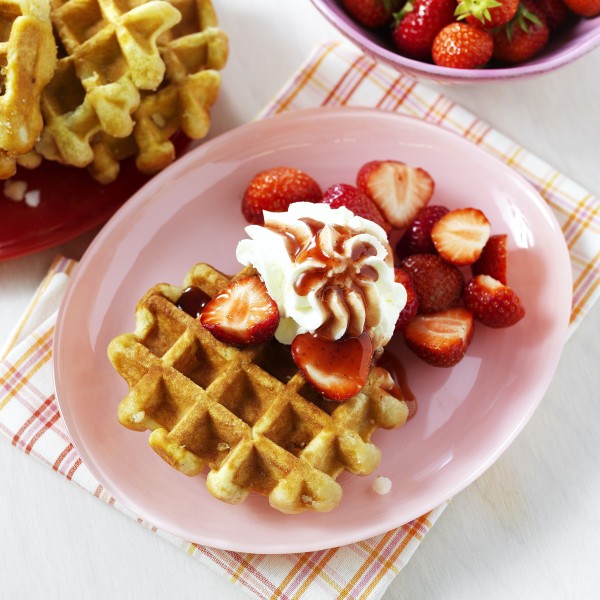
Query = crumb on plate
x=382 y=485
x=14 y=189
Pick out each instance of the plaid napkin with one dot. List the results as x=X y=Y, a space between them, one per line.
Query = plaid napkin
x=334 y=74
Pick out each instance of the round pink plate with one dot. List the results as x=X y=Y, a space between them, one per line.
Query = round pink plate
x=466 y=415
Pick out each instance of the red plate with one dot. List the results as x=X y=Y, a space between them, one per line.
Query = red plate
x=71 y=203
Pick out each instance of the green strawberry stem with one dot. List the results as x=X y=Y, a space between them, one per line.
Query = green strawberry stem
x=406 y=9
x=480 y=9
x=523 y=18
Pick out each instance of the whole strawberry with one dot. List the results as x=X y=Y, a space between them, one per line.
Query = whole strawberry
x=486 y=13
x=438 y=284
x=275 y=189
x=462 y=46
x=523 y=37
x=417 y=24
x=417 y=237
x=343 y=194
x=556 y=12
x=584 y=8
x=409 y=312
x=371 y=13
x=493 y=259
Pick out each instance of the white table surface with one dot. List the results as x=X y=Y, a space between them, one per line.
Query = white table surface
x=528 y=528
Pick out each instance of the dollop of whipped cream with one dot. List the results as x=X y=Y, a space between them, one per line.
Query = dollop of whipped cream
x=329 y=271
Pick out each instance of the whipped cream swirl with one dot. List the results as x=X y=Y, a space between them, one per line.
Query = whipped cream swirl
x=329 y=271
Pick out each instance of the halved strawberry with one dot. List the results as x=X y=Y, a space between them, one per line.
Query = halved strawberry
x=417 y=237
x=275 y=189
x=407 y=314
x=338 y=369
x=460 y=235
x=493 y=259
x=242 y=313
x=493 y=303
x=440 y=339
x=438 y=284
x=398 y=190
x=343 y=194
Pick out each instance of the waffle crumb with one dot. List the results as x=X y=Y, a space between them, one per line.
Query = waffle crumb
x=138 y=417
x=32 y=198
x=307 y=499
x=222 y=446
x=14 y=189
x=382 y=485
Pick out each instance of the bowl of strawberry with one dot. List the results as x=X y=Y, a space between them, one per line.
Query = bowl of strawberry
x=456 y=41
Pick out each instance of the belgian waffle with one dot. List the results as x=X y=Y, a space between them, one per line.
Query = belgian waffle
x=27 y=60
x=245 y=413
x=134 y=72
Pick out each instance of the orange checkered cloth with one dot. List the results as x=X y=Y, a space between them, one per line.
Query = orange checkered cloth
x=334 y=74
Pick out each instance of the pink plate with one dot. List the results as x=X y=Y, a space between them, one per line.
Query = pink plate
x=466 y=416
x=70 y=203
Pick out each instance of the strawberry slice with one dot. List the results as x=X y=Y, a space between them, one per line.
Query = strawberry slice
x=440 y=339
x=338 y=369
x=417 y=237
x=343 y=194
x=492 y=302
x=494 y=258
x=399 y=190
x=275 y=189
x=460 y=235
x=438 y=284
x=242 y=313
x=407 y=314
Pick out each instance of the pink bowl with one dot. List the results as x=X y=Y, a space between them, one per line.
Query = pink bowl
x=571 y=43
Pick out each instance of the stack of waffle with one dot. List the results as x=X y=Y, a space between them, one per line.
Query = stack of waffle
x=247 y=413
x=28 y=60
x=129 y=75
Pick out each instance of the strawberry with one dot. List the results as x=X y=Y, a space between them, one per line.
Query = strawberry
x=492 y=302
x=407 y=314
x=417 y=237
x=486 y=13
x=555 y=12
x=438 y=284
x=398 y=190
x=417 y=24
x=343 y=194
x=440 y=339
x=275 y=189
x=462 y=46
x=371 y=13
x=493 y=259
x=523 y=37
x=242 y=313
x=584 y=8
x=338 y=369
x=460 y=235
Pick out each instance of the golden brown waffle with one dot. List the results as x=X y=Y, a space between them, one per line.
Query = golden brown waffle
x=27 y=61
x=248 y=414
x=135 y=72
